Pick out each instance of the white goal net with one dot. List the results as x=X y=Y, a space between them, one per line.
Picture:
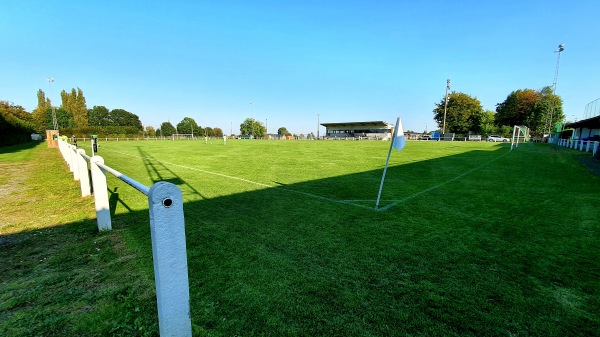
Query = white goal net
x=183 y=136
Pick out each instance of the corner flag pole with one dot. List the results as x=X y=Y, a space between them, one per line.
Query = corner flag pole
x=387 y=161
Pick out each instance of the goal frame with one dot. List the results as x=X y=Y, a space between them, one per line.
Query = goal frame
x=519 y=131
x=182 y=136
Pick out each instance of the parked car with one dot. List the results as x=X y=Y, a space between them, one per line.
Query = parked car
x=424 y=137
x=594 y=138
x=494 y=138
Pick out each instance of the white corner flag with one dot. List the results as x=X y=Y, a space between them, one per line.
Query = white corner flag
x=398 y=142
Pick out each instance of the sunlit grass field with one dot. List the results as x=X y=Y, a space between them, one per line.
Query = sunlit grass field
x=283 y=237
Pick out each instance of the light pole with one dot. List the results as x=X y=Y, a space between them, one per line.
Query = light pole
x=318 y=124
x=446 y=106
x=560 y=49
x=266 y=127
x=251 y=121
x=54 y=122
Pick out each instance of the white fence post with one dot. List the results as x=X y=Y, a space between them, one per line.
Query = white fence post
x=74 y=162
x=167 y=230
x=595 y=148
x=100 y=194
x=84 y=175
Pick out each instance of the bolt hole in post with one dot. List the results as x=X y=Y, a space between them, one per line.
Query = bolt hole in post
x=168 y=202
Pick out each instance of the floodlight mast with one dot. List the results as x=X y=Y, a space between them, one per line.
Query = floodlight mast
x=446 y=106
x=561 y=48
x=54 y=122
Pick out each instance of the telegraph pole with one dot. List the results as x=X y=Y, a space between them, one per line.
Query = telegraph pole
x=446 y=106
x=318 y=124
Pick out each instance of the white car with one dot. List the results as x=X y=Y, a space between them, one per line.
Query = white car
x=494 y=138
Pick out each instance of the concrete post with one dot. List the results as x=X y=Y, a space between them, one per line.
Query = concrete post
x=595 y=148
x=84 y=176
x=581 y=146
x=100 y=194
x=167 y=230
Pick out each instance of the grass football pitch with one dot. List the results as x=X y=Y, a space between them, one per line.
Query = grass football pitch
x=283 y=237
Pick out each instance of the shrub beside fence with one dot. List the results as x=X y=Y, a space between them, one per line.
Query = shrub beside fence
x=167 y=228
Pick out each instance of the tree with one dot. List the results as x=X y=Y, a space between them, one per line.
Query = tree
x=487 y=122
x=16 y=124
x=120 y=117
x=74 y=103
x=252 y=127
x=516 y=108
x=282 y=131
x=167 y=129
x=547 y=112
x=67 y=100
x=99 y=116
x=188 y=125
x=150 y=132
x=464 y=113
x=218 y=132
x=80 y=110
x=538 y=110
x=64 y=119
x=39 y=113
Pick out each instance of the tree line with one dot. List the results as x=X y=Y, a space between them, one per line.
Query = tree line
x=539 y=110
x=74 y=118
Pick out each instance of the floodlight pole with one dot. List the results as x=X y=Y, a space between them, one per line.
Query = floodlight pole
x=446 y=106
x=54 y=122
x=560 y=49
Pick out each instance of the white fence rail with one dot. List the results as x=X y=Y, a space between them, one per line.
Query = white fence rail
x=167 y=228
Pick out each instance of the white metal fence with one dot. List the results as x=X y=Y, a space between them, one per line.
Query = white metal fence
x=581 y=145
x=167 y=227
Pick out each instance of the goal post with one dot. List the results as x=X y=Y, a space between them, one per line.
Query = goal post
x=520 y=133
x=182 y=136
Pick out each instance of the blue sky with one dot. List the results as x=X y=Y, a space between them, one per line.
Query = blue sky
x=298 y=62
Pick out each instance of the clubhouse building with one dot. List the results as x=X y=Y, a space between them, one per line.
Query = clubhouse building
x=359 y=130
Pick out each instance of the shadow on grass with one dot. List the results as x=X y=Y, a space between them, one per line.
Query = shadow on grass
x=71 y=280
x=157 y=171
x=302 y=259
x=293 y=260
x=18 y=147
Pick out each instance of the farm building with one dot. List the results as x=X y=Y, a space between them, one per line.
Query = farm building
x=362 y=130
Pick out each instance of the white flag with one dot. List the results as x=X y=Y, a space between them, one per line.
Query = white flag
x=399 y=139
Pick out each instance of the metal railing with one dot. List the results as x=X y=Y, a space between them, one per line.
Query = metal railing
x=167 y=229
x=581 y=145
x=592 y=109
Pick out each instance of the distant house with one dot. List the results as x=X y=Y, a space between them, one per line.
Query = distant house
x=359 y=130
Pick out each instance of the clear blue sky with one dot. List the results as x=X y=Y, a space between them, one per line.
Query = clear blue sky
x=344 y=60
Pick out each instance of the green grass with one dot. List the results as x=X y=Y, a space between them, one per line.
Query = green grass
x=283 y=240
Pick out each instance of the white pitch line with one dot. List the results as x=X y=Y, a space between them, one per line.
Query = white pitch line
x=345 y=202
x=438 y=185
x=250 y=181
